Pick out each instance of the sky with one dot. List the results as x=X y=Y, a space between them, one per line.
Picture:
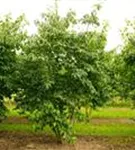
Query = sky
x=114 y=11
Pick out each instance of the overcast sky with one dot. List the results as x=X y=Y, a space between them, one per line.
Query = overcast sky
x=115 y=11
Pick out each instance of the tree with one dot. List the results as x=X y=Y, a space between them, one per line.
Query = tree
x=11 y=36
x=114 y=65
x=128 y=57
x=62 y=70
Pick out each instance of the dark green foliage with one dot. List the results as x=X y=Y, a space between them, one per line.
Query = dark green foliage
x=114 y=65
x=11 y=36
x=128 y=57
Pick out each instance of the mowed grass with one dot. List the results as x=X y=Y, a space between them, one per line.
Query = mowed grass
x=112 y=112
x=105 y=129
x=79 y=128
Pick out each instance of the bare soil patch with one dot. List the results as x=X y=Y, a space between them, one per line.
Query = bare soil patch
x=16 y=120
x=23 y=120
x=112 y=121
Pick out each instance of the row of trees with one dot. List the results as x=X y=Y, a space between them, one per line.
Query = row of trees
x=58 y=70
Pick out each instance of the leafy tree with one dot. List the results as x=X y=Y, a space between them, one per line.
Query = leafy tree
x=62 y=70
x=114 y=63
x=128 y=55
x=11 y=36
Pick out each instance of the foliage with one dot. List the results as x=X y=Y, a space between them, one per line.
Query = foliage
x=119 y=102
x=57 y=121
x=61 y=70
x=128 y=55
x=11 y=36
x=112 y=62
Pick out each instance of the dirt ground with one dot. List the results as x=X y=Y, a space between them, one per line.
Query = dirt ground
x=24 y=141
x=24 y=120
x=112 y=121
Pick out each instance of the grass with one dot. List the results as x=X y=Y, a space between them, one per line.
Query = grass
x=16 y=127
x=111 y=112
x=79 y=128
x=105 y=130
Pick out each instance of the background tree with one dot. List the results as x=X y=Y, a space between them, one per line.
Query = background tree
x=128 y=55
x=11 y=36
x=114 y=64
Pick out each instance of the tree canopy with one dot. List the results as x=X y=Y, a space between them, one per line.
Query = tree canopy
x=11 y=37
x=128 y=55
x=61 y=70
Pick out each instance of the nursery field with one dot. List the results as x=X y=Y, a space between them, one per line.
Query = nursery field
x=60 y=88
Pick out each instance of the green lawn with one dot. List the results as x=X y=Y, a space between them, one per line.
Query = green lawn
x=80 y=129
x=111 y=112
x=105 y=129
